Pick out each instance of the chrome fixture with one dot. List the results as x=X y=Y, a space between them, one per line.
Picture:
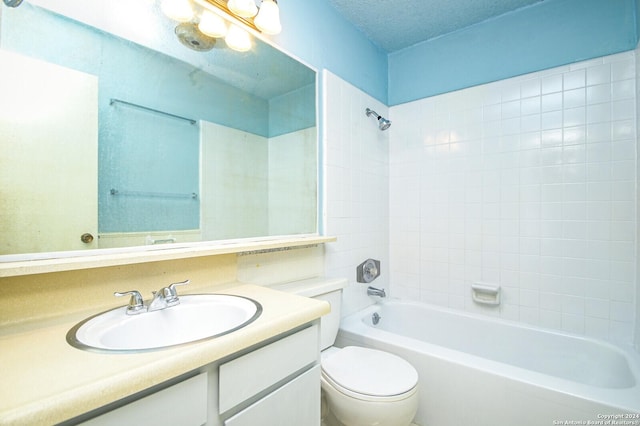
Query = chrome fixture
x=375 y=318
x=13 y=3
x=383 y=123
x=200 y=26
x=368 y=271
x=164 y=298
x=379 y=292
x=136 y=303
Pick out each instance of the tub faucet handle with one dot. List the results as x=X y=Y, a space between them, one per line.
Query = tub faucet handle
x=136 y=302
x=368 y=271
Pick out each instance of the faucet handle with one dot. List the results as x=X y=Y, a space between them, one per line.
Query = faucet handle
x=136 y=302
x=171 y=294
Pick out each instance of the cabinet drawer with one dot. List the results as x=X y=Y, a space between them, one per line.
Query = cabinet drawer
x=295 y=403
x=182 y=404
x=256 y=371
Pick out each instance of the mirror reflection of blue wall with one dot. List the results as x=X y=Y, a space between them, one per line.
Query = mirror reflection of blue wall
x=140 y=151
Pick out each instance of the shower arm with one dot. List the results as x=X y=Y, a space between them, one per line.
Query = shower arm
x=383 y=123
x=372 y=112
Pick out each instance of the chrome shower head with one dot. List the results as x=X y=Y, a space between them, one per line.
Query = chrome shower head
x=383 y=123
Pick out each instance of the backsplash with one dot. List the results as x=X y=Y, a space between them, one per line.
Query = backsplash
x=529 y=183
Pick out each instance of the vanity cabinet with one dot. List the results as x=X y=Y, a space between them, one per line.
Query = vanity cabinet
x=274 y=384
x=295 y=403
x=182 y=404
x=296 y=398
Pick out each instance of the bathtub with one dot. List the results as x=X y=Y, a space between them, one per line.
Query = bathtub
x=476 y=370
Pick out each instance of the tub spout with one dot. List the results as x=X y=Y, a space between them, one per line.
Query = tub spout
x=372 y=291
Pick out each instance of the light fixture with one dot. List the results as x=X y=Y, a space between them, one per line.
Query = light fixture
x=268 y=19
x=212 y=25
x=178 y=10
x=225 y=19
x=238 y=39
x=243 y=8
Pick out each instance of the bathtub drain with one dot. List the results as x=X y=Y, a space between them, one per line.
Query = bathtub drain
x=375 y=318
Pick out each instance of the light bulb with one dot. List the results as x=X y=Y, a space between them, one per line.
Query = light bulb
x=268 y=19
x=212 y=25
x=178 y=10
x=238 y=39
x=243 y=8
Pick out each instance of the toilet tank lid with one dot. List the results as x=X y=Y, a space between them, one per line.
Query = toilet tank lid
x=370 y=371
x=312 y=287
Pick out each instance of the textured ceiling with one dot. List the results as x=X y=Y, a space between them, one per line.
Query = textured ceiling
x=394 y=25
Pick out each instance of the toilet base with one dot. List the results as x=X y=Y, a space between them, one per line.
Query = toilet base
x=327 y=417
x=341 y=410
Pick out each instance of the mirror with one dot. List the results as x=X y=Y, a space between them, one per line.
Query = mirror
x=114 y=133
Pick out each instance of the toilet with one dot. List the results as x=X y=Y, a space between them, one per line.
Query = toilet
x=363 y=386
x=360 y=386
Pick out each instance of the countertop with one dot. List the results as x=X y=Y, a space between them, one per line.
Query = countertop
x=44 y=380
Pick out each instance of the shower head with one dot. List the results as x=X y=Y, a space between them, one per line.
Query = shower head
x=383 y=123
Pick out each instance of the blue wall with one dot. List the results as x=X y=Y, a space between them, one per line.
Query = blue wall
x=314 y=32
x=142 y=151
x=548 y=34
x=290 y=112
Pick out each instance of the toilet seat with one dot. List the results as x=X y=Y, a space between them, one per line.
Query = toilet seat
x=369 y=374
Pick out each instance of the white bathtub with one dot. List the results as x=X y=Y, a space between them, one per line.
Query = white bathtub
x=479 y=371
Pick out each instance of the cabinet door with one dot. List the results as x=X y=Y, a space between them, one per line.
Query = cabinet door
x=295 y=403
x=245 y=377
x=183 y=404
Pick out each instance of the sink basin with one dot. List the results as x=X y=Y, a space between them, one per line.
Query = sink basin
x=196 y=318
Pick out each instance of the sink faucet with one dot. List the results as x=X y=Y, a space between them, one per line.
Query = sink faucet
x=136 y=303
x=372 y=291
x=164 y=298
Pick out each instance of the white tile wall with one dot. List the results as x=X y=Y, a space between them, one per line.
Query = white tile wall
x=274 y=175
x=293 y=195
x=248 y=174
x=356 y=187
x=529 y=183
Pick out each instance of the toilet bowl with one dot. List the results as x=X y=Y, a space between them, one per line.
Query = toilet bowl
x=360 y=386
x=367 y=387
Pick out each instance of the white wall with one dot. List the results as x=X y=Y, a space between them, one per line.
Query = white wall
x=293 y=182
x=39 y=141
x=255 y=186
x=234 y=184
x=356 y=190
x=529 y=183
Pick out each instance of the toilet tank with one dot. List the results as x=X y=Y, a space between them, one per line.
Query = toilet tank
x=328 y=289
